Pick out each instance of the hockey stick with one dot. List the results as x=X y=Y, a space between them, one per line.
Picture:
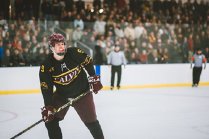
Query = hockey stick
x=69 y=103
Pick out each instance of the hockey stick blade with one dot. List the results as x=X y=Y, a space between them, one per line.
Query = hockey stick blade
x=69 y=103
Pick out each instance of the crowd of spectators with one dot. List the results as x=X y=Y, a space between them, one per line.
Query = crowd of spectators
x=158 y=31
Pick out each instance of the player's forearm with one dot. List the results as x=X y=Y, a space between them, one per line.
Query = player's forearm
x=47 y=91
x=47 y=98
x=90 y=69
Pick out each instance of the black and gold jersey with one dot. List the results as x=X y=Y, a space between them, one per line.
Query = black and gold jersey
x=67 y=75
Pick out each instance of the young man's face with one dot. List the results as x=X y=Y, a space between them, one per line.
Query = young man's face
x=59 y=47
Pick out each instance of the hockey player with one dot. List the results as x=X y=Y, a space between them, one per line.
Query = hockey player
x=198 y=59
x=65 y=69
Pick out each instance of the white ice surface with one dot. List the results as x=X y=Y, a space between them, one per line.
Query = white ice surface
x=163 y=113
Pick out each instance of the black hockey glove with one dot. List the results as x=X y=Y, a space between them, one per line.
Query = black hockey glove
x=47 y=113
x=95 y=83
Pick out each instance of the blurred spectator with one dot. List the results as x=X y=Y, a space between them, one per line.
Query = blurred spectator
x=152 y=38
x=7 y=39
x=88 y=22
x=118 y=31
x=98 y=58
x=12 y=31
x=17 y=44
x=134 y=58
x=163 y=56
x=204 y=40
x=129 y=32
x=79 y=22
x=99 y=25
x=139 y=30
x=153 y=58
x=6 y=61
x=206 y=53
x=44 y=43
x=143 y=57
x=17 y=59
x=88 y=38
x=27 y=57
x=41 y=55
x=77 y=34
x=184 y=50
x=190 y=46
x=102 y=43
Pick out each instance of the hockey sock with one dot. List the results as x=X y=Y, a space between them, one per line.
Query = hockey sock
x=95 y=129
x=54 y=130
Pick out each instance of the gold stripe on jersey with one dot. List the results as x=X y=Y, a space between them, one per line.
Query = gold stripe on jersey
x=67 y=77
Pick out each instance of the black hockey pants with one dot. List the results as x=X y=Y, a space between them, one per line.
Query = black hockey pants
x=114 y=70
x=196 y=74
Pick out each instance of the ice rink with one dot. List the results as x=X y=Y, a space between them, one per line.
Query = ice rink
x=158 y=113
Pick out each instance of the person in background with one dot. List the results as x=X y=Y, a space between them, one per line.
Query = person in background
x=198 y=59
x=17 y=59
x=116 y=59
x=206 y=53
x=6 y=61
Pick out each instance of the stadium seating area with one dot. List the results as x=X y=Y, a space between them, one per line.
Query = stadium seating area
x=148 y=32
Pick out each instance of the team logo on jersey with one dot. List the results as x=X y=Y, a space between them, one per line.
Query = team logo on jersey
x=67 y=77
x=64 y=66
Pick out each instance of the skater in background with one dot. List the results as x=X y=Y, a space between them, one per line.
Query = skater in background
x=116 y=59
x=198 y=59
x=66 y=70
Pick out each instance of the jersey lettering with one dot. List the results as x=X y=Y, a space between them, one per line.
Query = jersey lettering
x=67 y=77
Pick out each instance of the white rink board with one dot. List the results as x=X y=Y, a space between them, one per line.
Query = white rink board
x=26 y=78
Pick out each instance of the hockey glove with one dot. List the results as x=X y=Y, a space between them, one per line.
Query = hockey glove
x=95 y=83
x=47 y=113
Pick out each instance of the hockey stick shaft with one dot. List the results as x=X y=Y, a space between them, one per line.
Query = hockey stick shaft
x=27 y=129
x=69 y=103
